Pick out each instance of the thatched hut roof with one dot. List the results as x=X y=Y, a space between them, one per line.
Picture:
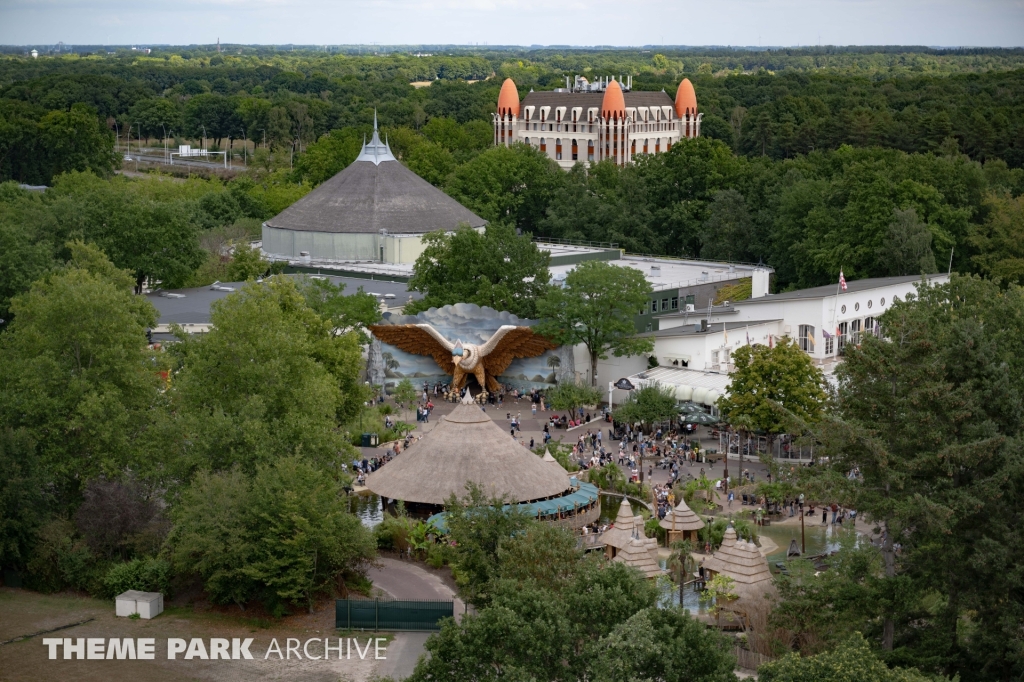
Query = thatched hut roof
x=552 y=462
x=621 y=532
x=638 y=554
x=743 y=562
x=682 y=517
x=467 y=446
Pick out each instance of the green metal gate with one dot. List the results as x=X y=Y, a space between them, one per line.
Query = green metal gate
x=388 y=614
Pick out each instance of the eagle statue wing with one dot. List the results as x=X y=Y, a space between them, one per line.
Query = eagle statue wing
x=509 y=343
x=418 y=339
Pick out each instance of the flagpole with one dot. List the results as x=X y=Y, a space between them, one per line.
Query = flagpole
x=835 y=312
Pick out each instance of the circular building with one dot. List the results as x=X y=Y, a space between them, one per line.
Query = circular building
x=374 y=210
x=466 y=447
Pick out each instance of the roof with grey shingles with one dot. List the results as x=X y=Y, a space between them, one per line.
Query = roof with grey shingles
x=368 y=197
x=634 y=98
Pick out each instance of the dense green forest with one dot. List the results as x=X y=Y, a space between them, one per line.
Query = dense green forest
x=811 y=161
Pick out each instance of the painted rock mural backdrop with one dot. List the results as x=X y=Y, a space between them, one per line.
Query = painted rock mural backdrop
x=472 y=324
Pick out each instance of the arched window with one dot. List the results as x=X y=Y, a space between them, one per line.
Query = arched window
x=645 y=146
x=558 y=149
x=575 y=151
x=590 y=150
x=527 y=140
x=543 y=144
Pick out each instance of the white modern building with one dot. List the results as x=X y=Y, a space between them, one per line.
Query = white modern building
x=694 y=349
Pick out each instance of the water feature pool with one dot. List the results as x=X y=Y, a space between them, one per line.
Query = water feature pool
x=820 y=539
x=367 y=507
x=610 y=508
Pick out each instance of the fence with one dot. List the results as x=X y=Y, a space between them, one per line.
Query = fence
x=750 y=660
x=380 y=614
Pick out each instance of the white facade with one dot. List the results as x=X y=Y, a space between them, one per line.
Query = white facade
x=818 y=320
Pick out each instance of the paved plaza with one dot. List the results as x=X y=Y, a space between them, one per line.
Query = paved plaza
x=533 y=427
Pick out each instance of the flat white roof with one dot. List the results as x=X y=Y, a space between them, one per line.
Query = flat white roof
x=672 y=273
x=684 y=377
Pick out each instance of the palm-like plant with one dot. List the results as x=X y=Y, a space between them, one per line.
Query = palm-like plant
x=703 y=485
x=554 y=362
x=681 y=562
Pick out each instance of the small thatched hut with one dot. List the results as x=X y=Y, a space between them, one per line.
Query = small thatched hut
x=621 y=532
x=553 y=463
x=640 y=555
x=742 y=561
x=682 y=523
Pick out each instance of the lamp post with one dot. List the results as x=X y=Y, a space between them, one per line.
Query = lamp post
x=117 y=138
x=165 y=141
x=204 y=135
x=140 y=146
x=803 y=539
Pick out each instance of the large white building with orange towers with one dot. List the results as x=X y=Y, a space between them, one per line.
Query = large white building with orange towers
x=587 y=121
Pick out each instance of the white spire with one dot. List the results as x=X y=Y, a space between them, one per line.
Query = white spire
x=375 y=150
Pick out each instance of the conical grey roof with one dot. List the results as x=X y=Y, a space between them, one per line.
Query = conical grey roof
x=375 y=193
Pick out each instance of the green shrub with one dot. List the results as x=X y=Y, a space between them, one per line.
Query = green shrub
x=146 y=575
x=852 y=660
x=653 y=529
x=438 y=554
x=61 y=560
x=393 y=533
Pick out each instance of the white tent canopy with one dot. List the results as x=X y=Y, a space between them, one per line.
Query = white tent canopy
x=704 y=388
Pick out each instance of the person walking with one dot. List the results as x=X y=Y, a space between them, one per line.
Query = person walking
x=824 y=514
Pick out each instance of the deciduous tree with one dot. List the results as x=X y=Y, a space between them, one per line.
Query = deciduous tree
x=498 y=269
x=596 y=307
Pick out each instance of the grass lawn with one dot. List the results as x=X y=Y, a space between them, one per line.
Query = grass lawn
x=23 y=612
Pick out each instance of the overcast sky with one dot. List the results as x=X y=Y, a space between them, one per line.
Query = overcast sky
x=516 y=22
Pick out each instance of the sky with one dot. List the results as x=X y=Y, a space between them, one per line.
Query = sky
x=515 y=22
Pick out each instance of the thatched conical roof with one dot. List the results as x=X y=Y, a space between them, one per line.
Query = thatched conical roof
x=684 y=518
x=467 y=446
x=638 y=554
x=621 y=532
x=743 y=562
x=552 y=462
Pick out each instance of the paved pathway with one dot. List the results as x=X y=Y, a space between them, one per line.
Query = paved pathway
x=405 y=580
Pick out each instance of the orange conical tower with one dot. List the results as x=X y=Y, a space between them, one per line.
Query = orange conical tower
x=508 y=99
x=686 y=99
x=614 y=104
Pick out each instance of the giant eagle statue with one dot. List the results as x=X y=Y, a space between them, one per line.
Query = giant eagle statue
x=460 y=359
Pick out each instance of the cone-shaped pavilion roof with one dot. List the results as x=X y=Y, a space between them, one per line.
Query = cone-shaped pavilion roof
x=637 y=554
x=375 y=192
x=621 y=532
x=467 y=446
x=683 y=518
x=552 y=462
x=743 y=562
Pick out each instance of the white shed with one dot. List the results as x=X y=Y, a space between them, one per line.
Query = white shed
x=146 y=604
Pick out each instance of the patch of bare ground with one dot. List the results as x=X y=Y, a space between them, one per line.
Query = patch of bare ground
x=23 y=612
